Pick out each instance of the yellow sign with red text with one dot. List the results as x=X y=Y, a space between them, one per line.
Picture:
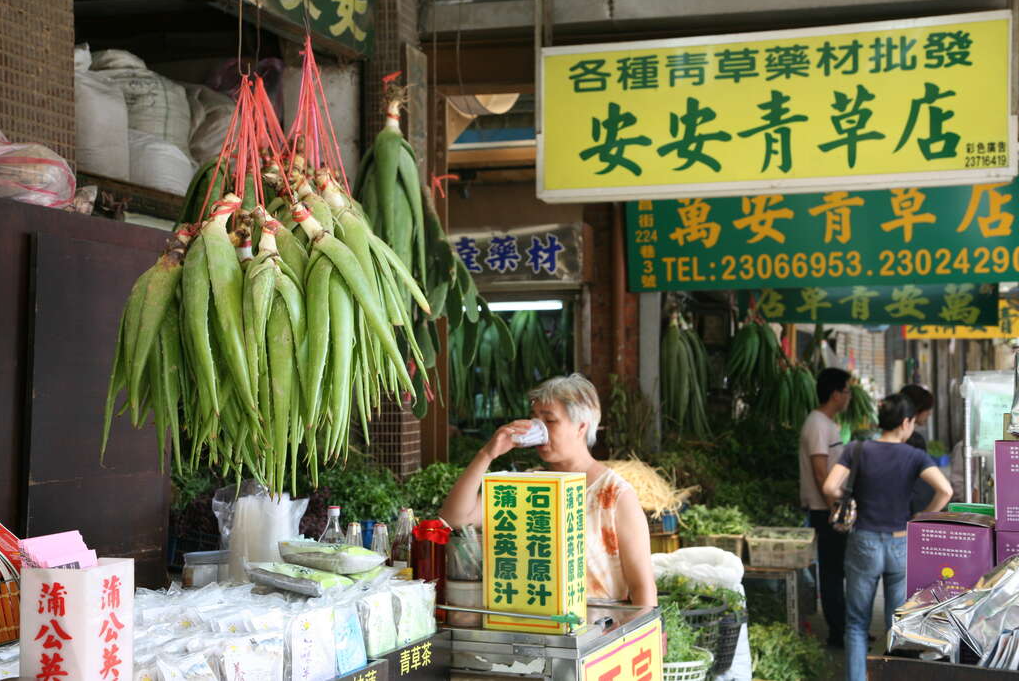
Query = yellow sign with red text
x=635 y=657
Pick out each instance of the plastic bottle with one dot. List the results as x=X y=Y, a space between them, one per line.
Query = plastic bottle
x=333 y=534
x=400 y=557
x=380 y=540
x=354 y=534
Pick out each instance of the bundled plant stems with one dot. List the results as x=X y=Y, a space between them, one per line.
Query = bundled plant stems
x=404 y=217
x=274 y=314
x=684 y=379
x=655 y=494
x=774 y=386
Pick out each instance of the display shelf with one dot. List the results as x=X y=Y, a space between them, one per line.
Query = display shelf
x=139 y=199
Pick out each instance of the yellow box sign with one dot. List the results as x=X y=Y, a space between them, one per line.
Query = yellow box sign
x=1008 y=327
x=535 y=558
x=898 y=103
x=635 y=657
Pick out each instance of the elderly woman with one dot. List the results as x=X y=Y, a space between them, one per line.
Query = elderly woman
x=618 y=539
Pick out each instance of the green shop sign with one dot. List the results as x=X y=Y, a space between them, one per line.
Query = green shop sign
x=338 y=26
x=936 y=235
x=909 y=304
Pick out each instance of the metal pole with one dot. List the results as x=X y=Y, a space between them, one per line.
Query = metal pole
x=967 y=448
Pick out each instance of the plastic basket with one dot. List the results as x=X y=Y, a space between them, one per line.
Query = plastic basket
x=688 y=671
x=788 y=547
x=727 y=542
x=728 y=638
x=705 y=621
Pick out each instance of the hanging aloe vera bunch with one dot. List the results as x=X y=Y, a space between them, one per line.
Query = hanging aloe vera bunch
x=403 y=215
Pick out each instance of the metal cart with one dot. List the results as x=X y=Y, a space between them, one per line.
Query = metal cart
x=615 y=634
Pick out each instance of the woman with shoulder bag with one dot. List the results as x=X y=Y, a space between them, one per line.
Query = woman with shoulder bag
x=886 y=470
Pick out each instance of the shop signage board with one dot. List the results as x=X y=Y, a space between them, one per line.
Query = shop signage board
x=944 y=304
x=535 y=549
x=78 y=624
x=349 y=24
x=548 y=254
x=424 y=660
x=635 y=657
x=1007 y=327
x=913 y=102
x=936 y=235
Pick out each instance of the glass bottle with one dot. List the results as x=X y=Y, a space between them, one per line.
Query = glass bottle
x=333 y=533
x=400 y=556
x=354 y=534
x=380 y=540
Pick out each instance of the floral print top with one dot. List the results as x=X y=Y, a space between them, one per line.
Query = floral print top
x=605 y=578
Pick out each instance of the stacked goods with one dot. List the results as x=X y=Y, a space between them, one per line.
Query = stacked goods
x=404 y=217
x=684 y=379
x=270 y=317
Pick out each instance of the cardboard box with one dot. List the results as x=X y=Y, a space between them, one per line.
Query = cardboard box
x=954 y=548
x=535 y=558
x=1006 y=545
x=1006 y=485
x=78 y=624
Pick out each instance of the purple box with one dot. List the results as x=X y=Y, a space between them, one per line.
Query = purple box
x=954 y=548
x=1006 y=485
x=1006 y=545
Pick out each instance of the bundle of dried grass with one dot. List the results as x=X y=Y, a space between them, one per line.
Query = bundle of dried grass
x=655 y=493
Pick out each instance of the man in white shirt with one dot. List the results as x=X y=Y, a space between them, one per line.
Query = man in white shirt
x=820 y=448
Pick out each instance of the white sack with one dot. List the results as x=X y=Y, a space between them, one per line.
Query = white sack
x=158 y=164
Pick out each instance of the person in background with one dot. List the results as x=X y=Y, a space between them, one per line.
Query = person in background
x=886 y=470
x=618 y=537
x=923 y=401
x=820 y=447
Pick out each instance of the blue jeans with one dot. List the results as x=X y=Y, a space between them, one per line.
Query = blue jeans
x=870 y=556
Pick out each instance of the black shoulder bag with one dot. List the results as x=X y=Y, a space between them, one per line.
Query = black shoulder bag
x=843 y=515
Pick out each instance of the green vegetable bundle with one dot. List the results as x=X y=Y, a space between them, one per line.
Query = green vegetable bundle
x=700 y=521
x=861 y=414
x=781 y=653
x=427 y=489
x=681 y=639
x=273 y=316
x=684 y=379
x=404 y=217
x=790 y=398
x=753 y=358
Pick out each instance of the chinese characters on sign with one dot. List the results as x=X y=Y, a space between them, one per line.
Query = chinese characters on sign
x=78 y=624
x=635 y=657
x=1007 y=326
x=534 y=548
x=350 y=22
x=415 y=657
x=909 y=304
x=696 y=117
x=937 y=235
x=545 y=253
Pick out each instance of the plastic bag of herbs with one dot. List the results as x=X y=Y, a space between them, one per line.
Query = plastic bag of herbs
x=780 y=653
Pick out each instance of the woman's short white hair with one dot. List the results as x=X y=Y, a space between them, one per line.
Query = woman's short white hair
x=578 y=397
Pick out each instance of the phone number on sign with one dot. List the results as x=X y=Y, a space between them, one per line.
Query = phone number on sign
x=922 y=262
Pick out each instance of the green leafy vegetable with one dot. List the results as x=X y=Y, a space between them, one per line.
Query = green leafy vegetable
x=680 y=637
x=699 y=521
x=780 y=653
x=427 y=489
